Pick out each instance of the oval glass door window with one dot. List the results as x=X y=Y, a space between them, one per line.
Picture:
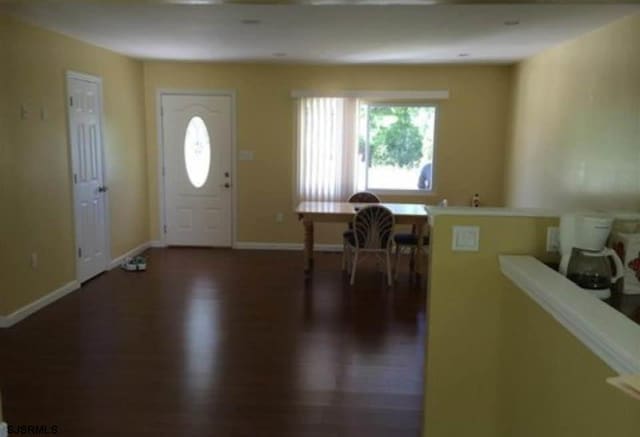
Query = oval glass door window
x=197 y=152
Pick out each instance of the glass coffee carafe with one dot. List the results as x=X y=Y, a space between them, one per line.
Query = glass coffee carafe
x=594 y=270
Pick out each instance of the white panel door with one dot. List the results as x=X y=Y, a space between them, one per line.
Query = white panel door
x=197 y=134
x=87 y=164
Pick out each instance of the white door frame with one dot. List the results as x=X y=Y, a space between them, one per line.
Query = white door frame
x=69 y=74
x=162 y=216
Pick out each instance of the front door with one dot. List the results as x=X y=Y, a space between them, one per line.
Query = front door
x=85 y=112
x=197 y=135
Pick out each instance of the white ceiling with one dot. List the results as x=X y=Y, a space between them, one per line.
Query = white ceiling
x=321 y=34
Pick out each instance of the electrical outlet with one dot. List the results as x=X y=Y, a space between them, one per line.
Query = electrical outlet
x=34 y=260
x=553 y=239
x=279 y=217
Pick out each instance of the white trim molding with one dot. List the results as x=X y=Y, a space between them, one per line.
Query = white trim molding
x=435 y=210
x=133 y=252
x=24 y=312
x=375 y=95
x=254 y=245
x=29 y=309
x=3 y=429
x=606 y=332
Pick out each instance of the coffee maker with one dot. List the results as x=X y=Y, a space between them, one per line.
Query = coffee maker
x=584 y=258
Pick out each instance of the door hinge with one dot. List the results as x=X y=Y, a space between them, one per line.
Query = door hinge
x=163 y=171
x=75 y=178
x=79 y=252
x=71 y=101
x=165 y=229
x=161 y=111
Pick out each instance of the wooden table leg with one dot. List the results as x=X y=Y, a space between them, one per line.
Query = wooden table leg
x=419 y=249
x=308 y=246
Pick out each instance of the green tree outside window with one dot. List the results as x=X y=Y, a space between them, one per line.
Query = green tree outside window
x=396 y=136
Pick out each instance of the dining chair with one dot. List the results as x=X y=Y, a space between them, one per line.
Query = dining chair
x=358 y=197
x=363 y=197
x=410 y=240
x=372 y=233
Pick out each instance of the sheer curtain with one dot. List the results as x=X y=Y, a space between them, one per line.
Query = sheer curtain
x=327 y=148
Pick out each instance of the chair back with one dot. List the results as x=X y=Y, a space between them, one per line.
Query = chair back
x=363 y=197
x=373 y=227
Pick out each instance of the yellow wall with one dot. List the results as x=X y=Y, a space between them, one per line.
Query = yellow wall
x=497 y=363
x=551 y=384
x=4 y=230
x=37 y=208
x=575 y=133
x=463 y=367
x=471 y=131
x=3 y=82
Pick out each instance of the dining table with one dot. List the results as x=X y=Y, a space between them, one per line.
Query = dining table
x=310 y=213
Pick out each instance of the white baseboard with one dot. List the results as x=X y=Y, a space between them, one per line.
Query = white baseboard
x=253 y=245
x=248 y=245
x=133 y=252
x=27 y=310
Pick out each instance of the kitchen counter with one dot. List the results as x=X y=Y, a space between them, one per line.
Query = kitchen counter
x=435 y=211
x=608 y=333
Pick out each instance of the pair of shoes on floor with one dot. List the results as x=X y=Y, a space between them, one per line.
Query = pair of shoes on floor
x=134 y=264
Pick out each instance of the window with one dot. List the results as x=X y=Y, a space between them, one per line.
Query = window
x=347 y=145
x=197 y=152
x=396 y=143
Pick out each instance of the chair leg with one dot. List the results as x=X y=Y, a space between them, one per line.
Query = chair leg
x=344 y=255
x=395 y=262
x=389 y=280
x=412 y=262
x=353 y=267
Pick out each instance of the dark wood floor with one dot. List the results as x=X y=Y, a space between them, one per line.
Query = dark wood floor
x=221 y=343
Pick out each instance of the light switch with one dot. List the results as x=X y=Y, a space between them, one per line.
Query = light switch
x=245 y=155
x=466 y=238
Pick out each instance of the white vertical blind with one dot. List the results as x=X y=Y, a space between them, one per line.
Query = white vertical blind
x=327 y=148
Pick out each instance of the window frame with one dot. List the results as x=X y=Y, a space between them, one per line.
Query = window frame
x=400 y=191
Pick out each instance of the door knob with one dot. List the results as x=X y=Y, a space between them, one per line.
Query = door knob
x=102 y=189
